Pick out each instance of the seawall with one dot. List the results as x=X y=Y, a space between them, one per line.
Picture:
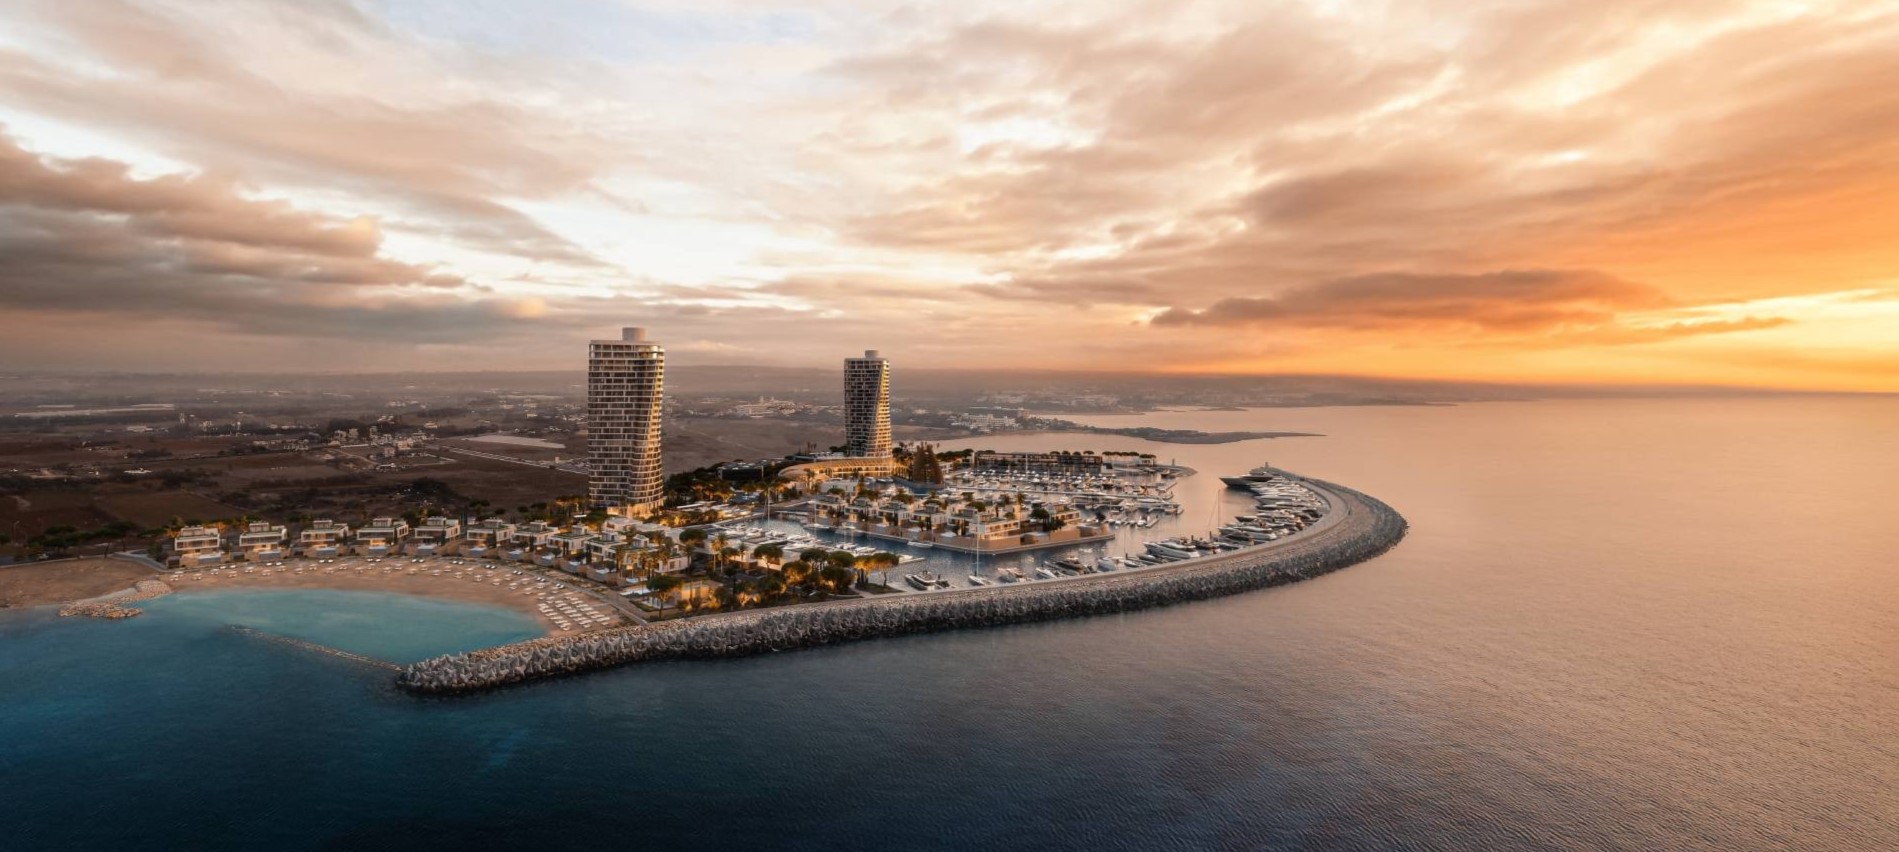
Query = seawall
x=1361 y=527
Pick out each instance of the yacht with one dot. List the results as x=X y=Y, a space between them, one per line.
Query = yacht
x=922 y=580
x=1172 y=549
x=1045 y=573
x=924 y=545
x=1010 y=575
x=1263 y=473
x=978 y=580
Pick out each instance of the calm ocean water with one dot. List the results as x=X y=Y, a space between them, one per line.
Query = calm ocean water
x=1616 y=625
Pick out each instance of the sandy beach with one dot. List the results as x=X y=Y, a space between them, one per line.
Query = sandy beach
x=562 y=607
x=67 y=580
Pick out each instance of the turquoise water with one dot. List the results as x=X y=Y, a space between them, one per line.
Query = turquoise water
x=1615 y=625
x=392 y=627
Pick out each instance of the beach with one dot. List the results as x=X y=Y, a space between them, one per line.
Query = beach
x=67 y=580
x=560 y=606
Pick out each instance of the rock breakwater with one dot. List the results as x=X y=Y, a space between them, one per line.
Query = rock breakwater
x=1363 y=527
x=114 y=605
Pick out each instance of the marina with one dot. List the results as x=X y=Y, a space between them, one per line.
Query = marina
x=1358 y=528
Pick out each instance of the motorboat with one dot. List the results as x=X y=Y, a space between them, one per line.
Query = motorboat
x=1172 y=549
x=922 y=580
x=1261 y=474
x=979 y=580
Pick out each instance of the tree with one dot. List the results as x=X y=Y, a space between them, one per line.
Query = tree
x=773 y=553
x=814 y=555
x=836 y=577
x=662 y=586
x=881 y=561
x=770 y=586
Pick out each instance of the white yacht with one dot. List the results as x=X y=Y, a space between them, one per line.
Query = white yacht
x=1263 y=473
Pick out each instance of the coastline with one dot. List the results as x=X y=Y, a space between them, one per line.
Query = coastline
x=59 y=582
x=1361 y=527
x=439 y=587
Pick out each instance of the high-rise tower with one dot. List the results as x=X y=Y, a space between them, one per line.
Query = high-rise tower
x=867 y=406
x=626 y=382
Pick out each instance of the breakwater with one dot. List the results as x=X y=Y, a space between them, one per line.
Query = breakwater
x=114 y=604
x=312 y=647
x=1358 y=528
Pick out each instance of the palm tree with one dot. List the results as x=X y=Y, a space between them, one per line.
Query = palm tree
x=727 y=556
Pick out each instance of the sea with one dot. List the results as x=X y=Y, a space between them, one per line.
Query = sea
x=1650 y=624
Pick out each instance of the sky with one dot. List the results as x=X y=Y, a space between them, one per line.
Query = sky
x=1619 y=191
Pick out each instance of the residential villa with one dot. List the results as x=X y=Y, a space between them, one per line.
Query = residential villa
x=323 y=539
x=533 y=535
x=194 y=546
x=435 y=534
x=262 y=541
x=381 y=536
x=479 y=539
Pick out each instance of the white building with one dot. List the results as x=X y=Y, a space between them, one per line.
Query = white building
x=867 y=406
x=625 y=389
x=323 y=538
x=381 y=536
x=481 y=537
x=262 y=540
x=198 y=546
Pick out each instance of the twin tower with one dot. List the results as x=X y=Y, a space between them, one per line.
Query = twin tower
x=626 y=385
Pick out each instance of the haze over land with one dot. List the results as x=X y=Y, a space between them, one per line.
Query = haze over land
x=1624 y=191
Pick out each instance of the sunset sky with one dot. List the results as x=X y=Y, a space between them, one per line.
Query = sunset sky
x=1652 y=191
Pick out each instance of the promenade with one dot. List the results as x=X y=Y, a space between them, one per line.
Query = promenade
x=1360 y=527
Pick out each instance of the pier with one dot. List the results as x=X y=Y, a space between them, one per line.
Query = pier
x=1362 y=527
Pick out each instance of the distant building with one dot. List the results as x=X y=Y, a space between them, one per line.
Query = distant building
x=625 y=390
x=1038 y=462
x=867 y=406
x=765 y=408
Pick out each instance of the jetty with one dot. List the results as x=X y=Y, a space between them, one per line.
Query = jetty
x=1358 y=528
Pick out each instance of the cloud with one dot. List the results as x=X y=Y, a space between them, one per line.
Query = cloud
x=86 y=237
x=255 y=88
x=983 y=182
x=1566 y=305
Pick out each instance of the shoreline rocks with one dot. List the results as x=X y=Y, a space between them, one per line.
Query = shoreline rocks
x=1367 y=529
x=114 y=605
